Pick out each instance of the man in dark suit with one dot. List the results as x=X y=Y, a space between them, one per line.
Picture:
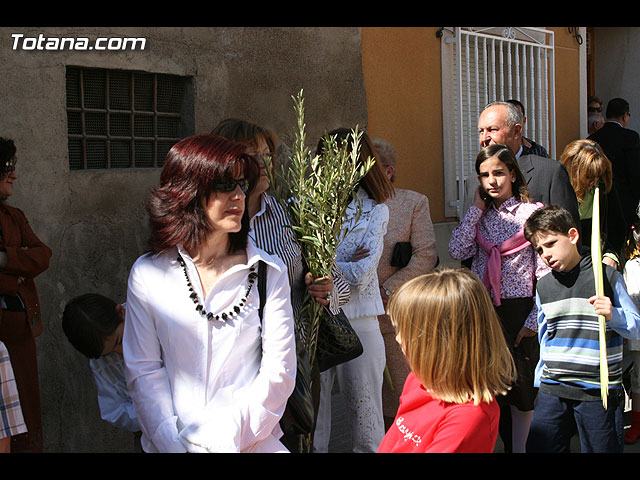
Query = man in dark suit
x=548 y=180
x=622 y=147
x=529 y=147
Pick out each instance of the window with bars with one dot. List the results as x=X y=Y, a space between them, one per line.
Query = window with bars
x=125 y=119
x=482 y=65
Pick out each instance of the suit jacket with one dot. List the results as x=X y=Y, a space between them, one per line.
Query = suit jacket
x=622 y=147
x=534 y=149
x=548 y=182
x=28 y=257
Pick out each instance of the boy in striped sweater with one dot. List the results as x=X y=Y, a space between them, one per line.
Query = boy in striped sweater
x=568 y=373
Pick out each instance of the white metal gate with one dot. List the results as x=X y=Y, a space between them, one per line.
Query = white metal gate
x=482 y=65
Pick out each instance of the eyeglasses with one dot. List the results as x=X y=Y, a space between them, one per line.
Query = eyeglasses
x=227 y=187
x=594 y=109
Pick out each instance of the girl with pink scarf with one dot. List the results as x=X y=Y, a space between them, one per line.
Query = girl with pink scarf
x=492 y=233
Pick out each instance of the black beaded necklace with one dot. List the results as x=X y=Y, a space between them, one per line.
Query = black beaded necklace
x=225 y=315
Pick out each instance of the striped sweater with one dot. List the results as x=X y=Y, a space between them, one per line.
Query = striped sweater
x=569 y=365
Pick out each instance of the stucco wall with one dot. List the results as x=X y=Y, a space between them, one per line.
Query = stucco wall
x=617 y=66
x=95 y=221
x=568 y=100
x=404 y=100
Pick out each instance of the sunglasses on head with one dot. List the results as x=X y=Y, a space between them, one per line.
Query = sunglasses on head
x=230 y=186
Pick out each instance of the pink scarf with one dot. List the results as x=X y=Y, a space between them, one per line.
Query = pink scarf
x=493 y=268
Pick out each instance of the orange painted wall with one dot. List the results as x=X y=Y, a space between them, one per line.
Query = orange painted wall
x=403 y=85
x=567 y=91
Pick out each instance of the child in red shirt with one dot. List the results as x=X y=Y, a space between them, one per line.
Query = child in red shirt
x=450 y=334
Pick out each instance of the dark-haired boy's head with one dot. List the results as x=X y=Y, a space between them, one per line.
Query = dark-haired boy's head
x=94 y=324
x=552 y=232
x=550 y=218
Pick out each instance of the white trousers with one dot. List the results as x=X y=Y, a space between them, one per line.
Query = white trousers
x=360 y=381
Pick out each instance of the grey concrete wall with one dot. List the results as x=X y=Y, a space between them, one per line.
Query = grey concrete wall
x=95 y=221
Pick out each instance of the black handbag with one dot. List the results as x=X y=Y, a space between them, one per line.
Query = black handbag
x=299 y=413
x=401 y=254
x=337 y=340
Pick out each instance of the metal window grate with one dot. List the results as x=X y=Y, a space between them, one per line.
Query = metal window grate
x=481 y=65
x=124 y=119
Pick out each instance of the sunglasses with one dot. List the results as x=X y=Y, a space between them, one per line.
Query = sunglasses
x=594 y=109
x=227 y=187
x=10 y=166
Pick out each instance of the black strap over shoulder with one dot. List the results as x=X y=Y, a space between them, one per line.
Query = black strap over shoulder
x=262 y=286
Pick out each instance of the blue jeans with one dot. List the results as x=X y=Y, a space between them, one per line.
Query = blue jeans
x=556 y=420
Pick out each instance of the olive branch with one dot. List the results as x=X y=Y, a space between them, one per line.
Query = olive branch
x=315 y=190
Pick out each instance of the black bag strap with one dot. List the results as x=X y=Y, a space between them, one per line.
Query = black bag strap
x=262 y=286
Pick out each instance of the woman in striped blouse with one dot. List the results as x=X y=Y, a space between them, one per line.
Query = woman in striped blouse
x=269 y=231
x=269 y=222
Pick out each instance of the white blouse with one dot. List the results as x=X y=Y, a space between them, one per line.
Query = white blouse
x=367 y=231
x=208 y=386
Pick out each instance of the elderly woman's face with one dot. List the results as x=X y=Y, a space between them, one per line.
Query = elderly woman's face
x=6 y=181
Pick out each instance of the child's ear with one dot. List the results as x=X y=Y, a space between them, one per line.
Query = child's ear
x=120 y=310
x=573 y=235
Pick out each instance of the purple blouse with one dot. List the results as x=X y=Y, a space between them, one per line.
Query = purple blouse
x=520 y=269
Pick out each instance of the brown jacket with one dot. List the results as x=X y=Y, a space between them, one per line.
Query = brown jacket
x=28 y=257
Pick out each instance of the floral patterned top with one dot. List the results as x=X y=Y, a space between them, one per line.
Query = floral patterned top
x=520 y=269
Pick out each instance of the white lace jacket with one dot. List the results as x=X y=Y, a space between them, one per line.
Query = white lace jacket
x=362 y=276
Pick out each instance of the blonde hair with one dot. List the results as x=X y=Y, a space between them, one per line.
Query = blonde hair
x=587 y=164
x=452 y=337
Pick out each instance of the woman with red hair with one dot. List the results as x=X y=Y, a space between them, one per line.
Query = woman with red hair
x=207 y=371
